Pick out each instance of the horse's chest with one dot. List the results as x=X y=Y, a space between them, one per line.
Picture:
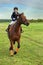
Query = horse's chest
x=16 y=35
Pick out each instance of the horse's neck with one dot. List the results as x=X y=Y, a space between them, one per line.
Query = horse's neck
x=17 y=25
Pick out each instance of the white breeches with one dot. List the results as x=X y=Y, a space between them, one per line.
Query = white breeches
x=13 y=22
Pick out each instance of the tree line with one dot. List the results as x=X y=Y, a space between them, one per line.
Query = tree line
x=32 y=20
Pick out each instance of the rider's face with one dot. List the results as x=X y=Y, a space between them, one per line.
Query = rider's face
x=16 y=11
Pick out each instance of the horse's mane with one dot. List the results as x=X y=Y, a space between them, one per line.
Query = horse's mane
x=16 y=25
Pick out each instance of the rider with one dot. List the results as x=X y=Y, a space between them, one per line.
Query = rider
x=14 y=17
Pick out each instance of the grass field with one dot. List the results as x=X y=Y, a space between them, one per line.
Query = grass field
x=31 y=50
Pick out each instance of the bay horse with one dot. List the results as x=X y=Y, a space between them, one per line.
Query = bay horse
x=14 y=33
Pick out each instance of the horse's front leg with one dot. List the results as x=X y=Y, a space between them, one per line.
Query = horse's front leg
x=11 y=48
x=17 y=47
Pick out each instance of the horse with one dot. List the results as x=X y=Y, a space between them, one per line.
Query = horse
x=14 y=33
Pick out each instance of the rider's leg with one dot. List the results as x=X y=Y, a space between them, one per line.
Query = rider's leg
x=12 y=22
x=8 y=28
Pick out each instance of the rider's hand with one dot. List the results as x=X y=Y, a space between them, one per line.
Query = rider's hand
x=13 y=18
x=17 y=17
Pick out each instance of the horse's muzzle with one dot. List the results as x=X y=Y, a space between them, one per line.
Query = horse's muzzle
x=27 y=24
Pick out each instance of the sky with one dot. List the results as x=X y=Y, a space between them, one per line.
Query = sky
x=33 y=9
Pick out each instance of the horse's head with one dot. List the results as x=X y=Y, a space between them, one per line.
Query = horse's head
x=23 y=19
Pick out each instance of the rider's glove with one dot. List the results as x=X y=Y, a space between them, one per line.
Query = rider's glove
x=13 y=18
x=17 y=17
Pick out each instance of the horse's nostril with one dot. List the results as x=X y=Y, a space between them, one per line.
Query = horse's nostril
x=27 y=24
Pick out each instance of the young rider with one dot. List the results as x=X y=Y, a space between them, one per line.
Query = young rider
x=14 y=17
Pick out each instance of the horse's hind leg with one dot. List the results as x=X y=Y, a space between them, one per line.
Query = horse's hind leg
x=11 y=48
x=17 y=47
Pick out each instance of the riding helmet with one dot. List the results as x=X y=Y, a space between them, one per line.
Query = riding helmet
x=15 y=8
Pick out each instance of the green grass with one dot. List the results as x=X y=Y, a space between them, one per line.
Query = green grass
x=31 y=50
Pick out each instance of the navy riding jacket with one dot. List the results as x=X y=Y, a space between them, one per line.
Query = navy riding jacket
x=14 y=16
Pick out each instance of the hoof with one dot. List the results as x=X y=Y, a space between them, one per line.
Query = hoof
x=11 y=52
x=15 y=52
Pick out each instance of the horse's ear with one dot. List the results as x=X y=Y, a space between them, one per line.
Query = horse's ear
x=21 y=14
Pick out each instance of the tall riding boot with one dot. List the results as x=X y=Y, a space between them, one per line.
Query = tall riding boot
x=8 y=28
